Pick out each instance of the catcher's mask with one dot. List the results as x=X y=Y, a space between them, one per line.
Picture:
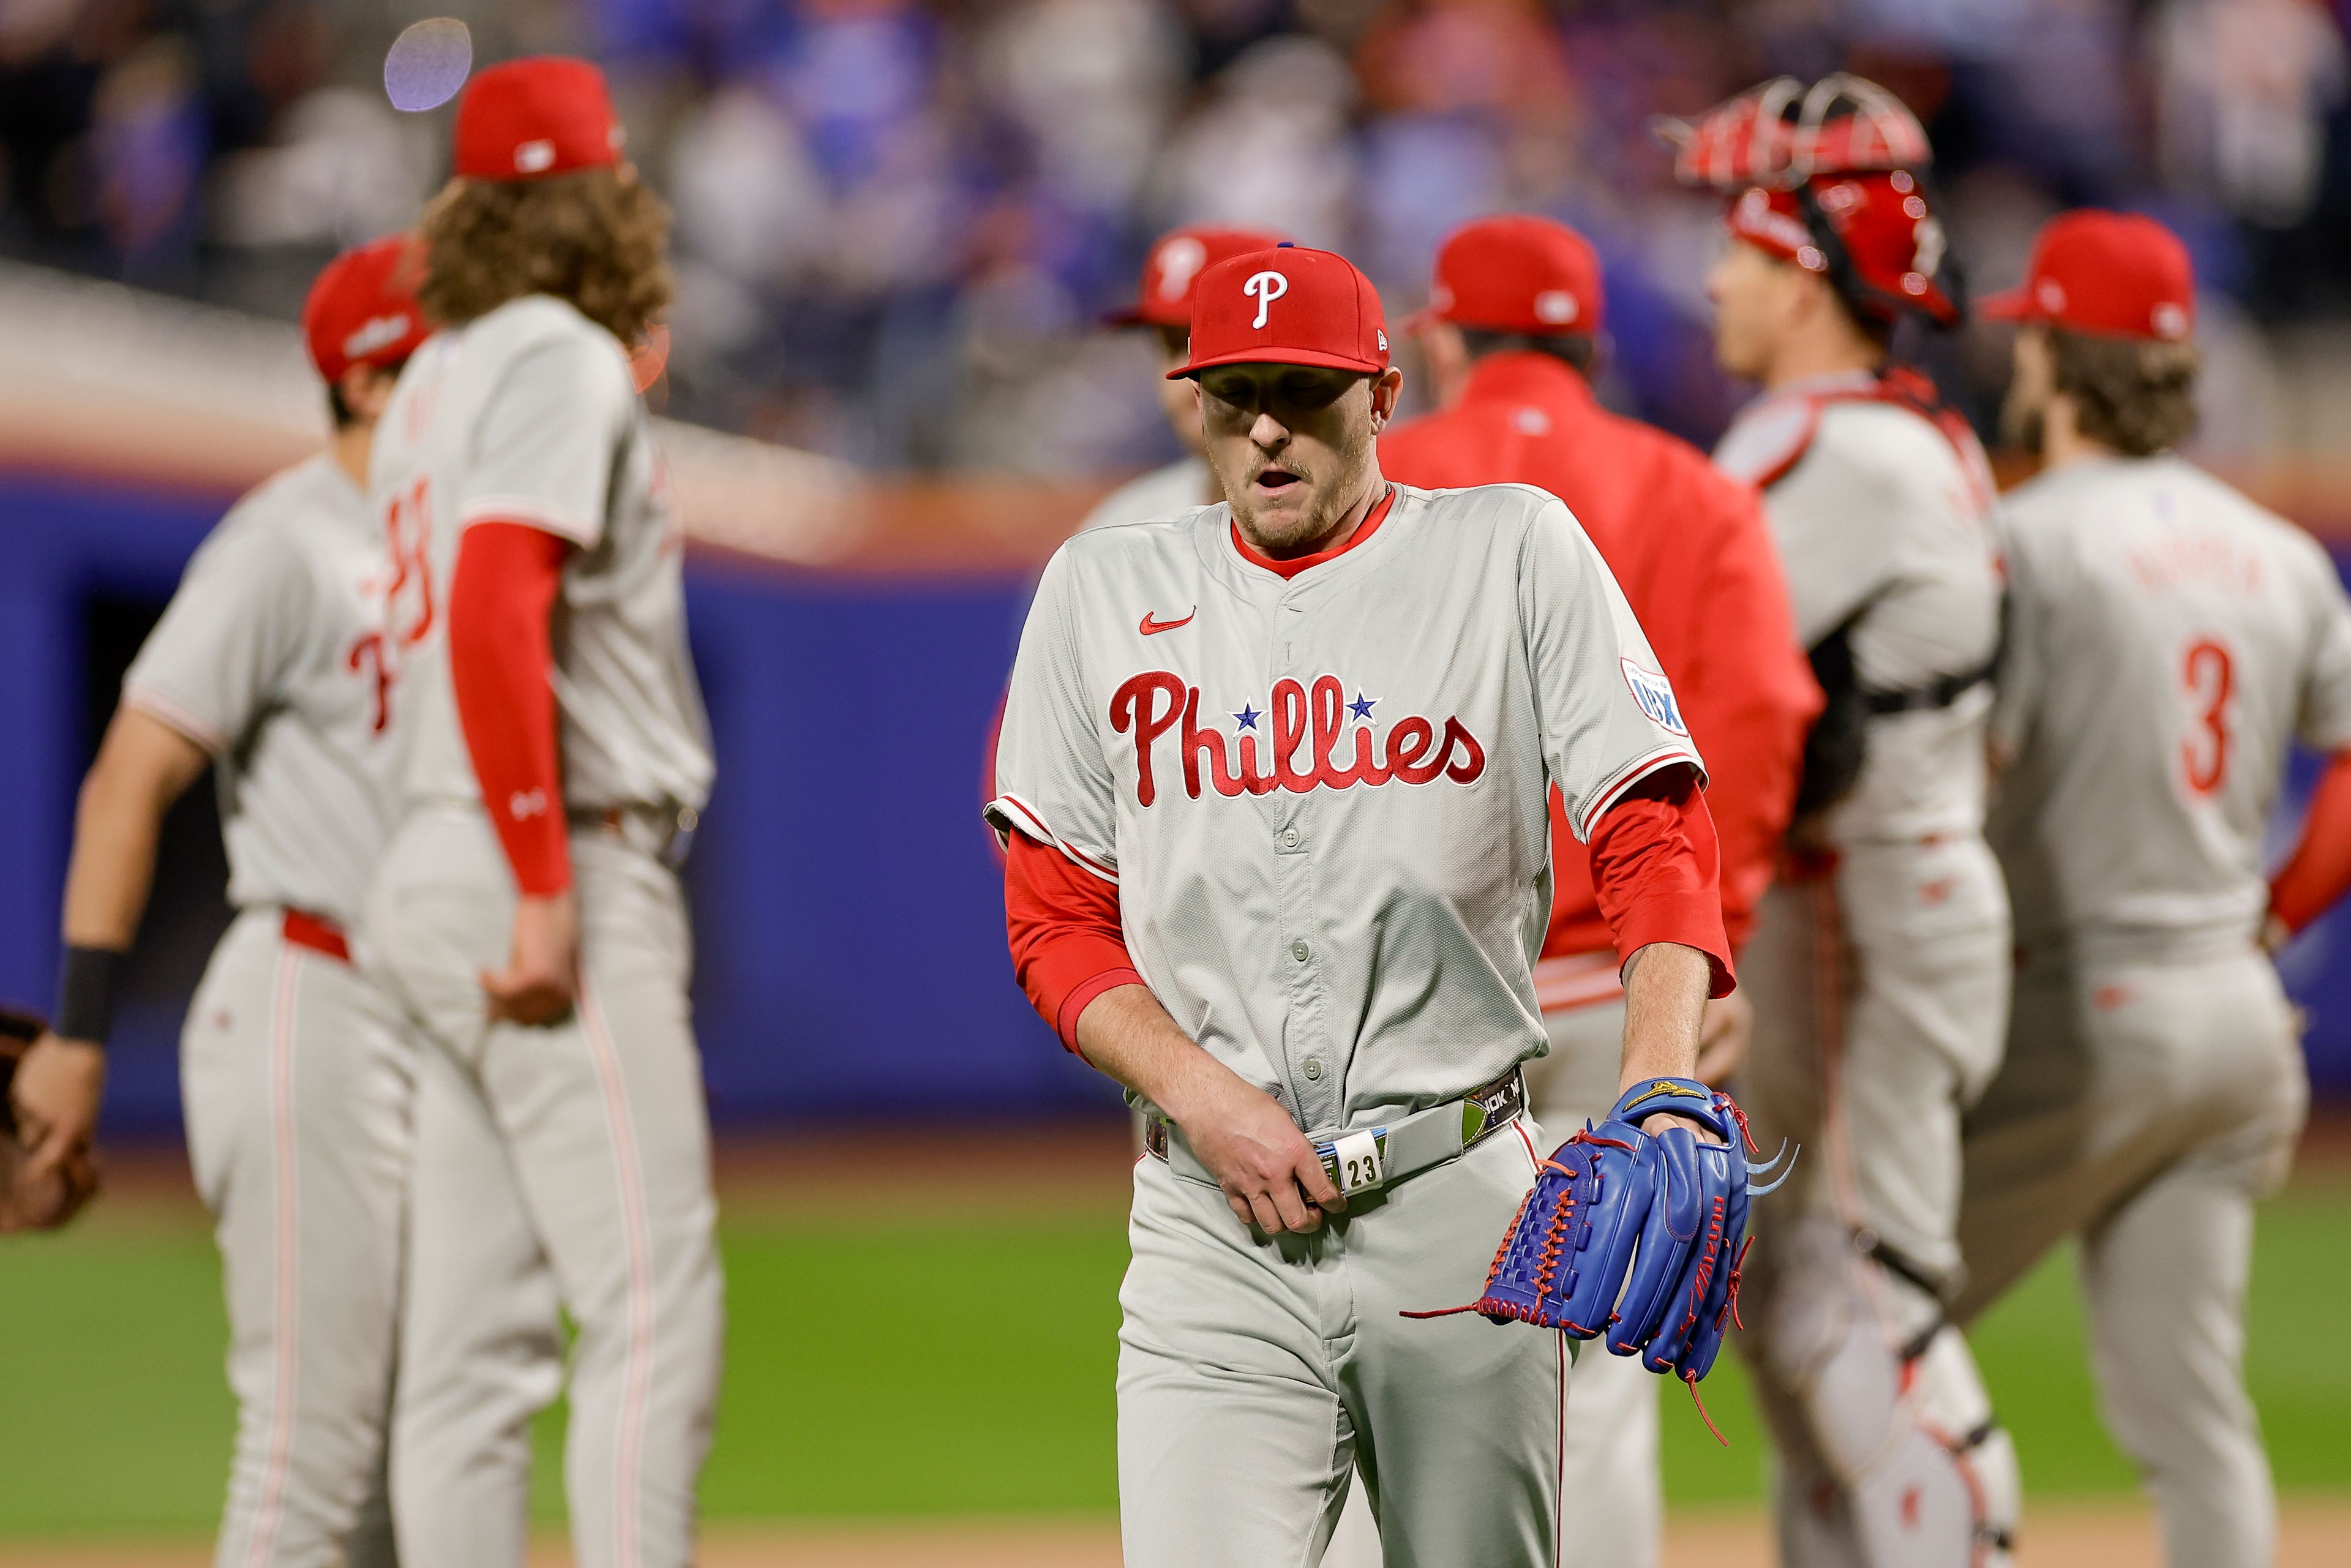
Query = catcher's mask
x=1832 y=177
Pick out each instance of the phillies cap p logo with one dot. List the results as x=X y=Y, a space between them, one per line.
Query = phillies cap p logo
x=1179 y=260
x=1265 y=288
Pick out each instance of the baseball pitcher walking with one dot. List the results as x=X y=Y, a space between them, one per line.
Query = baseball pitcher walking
x=2168 y=640
x=1512 y=336
x=1880 y=966
x=1163 y=303
x=269 y=667
x=1274 y=779
x=528 y=916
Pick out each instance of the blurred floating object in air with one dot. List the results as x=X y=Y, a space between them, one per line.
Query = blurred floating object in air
x=427 y=64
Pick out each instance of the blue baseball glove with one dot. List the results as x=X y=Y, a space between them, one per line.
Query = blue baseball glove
x=1634 y=1236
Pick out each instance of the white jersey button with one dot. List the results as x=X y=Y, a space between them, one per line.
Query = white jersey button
x=1290 y=838
x=1314 y=1069
x=1298 y=950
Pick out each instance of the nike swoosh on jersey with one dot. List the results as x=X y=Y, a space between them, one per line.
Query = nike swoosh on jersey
x=1152 y=628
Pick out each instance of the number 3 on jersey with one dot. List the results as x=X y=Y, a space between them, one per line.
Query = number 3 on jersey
x=2210 y=679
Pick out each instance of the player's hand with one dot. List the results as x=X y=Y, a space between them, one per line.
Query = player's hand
x=1722 y=1037
x=1270 y=1173
x=56 y=1096
x=46 y=1203
x=541 y=979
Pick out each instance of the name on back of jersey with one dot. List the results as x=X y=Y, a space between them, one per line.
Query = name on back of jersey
x=1294 y=743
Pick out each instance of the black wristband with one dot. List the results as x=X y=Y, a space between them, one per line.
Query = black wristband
x=86 y=988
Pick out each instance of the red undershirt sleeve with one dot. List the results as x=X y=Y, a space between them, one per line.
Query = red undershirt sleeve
x=501 y=664
x=1062 y=924
x=1655 y=871
x=2319 y=870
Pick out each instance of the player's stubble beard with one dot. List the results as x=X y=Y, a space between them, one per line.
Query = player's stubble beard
x=1335 y=475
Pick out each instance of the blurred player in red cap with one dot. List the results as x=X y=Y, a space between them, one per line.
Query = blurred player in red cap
x=2169 y=642
x=529 y=915
x=1512 y=335
x=270 y=667
x=1880 y=967
x=1163 y=303
x=1273 y=782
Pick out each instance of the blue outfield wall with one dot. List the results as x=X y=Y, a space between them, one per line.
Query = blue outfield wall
x=847 y=907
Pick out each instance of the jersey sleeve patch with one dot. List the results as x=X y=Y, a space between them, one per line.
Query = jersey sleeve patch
x=1656 y=695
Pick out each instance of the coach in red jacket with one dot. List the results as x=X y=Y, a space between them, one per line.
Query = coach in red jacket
x=1510 y=337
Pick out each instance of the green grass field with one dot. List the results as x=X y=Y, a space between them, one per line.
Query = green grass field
x=875 y=1369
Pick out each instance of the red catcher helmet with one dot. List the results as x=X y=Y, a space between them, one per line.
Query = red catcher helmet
x=1833 y=178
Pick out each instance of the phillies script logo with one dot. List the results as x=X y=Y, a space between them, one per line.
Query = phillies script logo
x=1309 y=725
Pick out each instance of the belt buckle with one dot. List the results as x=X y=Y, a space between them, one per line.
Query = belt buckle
x=1355 y=1162
x=1494 y=1105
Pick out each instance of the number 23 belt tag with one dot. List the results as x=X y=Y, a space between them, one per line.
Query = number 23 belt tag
x=1356 y=1163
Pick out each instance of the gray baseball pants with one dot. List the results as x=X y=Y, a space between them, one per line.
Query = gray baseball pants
x=1614 y=1501
x=568 y=1165
x=1881 y=1000
x=2147 y=1102
x=297 y=1077
x=1256 y=1376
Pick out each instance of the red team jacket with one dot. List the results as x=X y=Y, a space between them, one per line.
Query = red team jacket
x=1695 y=557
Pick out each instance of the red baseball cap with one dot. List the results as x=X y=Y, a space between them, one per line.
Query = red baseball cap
x=362 y=309
x=1171 y=274
x=1882 y=221
x=2115 y=275
x=533 y=118
x=1287 y=307
x=1515 y=274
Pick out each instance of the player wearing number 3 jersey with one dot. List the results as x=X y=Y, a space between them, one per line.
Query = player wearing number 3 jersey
x=1275 y=778
x=2168 y=640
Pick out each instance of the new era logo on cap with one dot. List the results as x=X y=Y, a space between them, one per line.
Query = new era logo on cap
x=1291 y=306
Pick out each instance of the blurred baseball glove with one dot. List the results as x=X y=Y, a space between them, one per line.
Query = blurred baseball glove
x=27 y=1205
x=1634 y=1236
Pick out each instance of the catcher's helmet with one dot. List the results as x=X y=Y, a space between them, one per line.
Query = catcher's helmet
x=1832 y=177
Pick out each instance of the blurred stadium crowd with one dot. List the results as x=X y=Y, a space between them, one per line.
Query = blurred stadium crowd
x=899 y=220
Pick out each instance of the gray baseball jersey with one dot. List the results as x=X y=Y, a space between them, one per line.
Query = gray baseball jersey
x=1324 y=799
x=1185 y=483
x=2168 y=639
x=271 y=657
x=1881 y=517
x=528 y=414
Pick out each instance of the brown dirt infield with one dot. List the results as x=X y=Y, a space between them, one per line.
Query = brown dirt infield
x=2314 y=1533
